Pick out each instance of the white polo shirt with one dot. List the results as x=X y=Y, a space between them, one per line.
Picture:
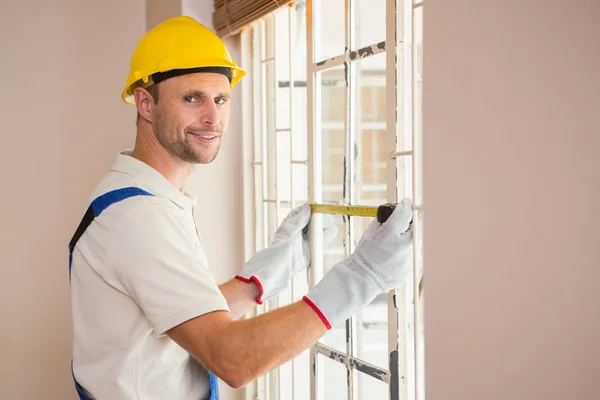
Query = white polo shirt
x=137 y=271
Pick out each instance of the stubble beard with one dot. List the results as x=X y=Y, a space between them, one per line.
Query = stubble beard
x=183 y=150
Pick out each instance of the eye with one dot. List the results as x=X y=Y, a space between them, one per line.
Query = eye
x=220 y=100
x=190 y=99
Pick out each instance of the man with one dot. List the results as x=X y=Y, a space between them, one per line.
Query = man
x=149 y=320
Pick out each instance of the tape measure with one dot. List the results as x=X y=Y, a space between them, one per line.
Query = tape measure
x=382 y=212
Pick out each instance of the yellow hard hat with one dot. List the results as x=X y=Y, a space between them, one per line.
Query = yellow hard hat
x=179 y=43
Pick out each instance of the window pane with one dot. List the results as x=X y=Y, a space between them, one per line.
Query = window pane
x=332 y=40
x=404 y=170
x=284 y=165
x=333 y=137
x=336 y=381
x=299 y=126
x=371 y=167
x=301 y=377
x=370 y=184
x=370 y=388
x=299 y=184
x=285 y=381
x=282 y=43
x=282 y=70
x=370 y=20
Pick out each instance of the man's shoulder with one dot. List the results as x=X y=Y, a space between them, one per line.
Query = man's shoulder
x=127 y=203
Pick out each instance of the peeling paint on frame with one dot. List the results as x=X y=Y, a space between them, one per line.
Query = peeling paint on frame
x=350 y=56
x=357 y=364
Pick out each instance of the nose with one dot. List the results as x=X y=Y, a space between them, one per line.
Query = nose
x=210 y=114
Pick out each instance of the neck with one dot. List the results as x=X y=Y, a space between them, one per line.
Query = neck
x=149 y=151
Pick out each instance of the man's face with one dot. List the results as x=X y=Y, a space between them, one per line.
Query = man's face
x=192 y=114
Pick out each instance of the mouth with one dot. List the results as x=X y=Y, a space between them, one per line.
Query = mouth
x=207 y=137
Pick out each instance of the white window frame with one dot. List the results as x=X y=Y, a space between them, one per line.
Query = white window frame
x=403 y=119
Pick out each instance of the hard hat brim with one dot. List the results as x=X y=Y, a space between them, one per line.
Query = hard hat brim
x=237 y=73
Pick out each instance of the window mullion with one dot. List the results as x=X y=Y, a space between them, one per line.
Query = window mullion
x=394 y=118
x=290 y=14
x=418 y=202
x=352 y=112
x=269 y=65
x=313 y=102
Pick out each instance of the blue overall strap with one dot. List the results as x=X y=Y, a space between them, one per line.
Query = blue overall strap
x=95 y=209
x=83 y=394
x=214 y=386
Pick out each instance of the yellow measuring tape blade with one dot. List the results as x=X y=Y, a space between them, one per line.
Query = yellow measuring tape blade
x=353 y=211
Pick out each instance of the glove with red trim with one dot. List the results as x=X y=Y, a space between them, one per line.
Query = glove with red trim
x=273 y=267
x=380 y=263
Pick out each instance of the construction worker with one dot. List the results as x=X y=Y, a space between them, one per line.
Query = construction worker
x=149 y=320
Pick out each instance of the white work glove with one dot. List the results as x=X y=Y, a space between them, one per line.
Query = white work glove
x=273 y=267
x=380 y=263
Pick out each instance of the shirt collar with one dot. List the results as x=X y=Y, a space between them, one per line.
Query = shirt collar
x=151 y=180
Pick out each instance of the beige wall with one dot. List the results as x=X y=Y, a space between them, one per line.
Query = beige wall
x=160 y=10
x=512 y=193
x=62 y=69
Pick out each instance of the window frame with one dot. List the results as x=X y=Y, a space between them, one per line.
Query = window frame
x=261 y=177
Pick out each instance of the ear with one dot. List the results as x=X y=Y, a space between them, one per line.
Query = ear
x=144 y=103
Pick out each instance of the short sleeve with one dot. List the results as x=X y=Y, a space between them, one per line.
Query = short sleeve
x=155 y=257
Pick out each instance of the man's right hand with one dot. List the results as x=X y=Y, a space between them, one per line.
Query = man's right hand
x=381 y=262
x=273 y=267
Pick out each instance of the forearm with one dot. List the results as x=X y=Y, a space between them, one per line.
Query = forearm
x=249 y=348
x=240 y=296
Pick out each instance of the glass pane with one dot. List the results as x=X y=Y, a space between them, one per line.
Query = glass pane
x=299 y=150
x=334 y=253
x=282 y=105
x=371 y=167
x=285 y=381
x=282 y=68
x=299 y=184
x=404 y=170
x=336 y=380
x=301 y=377
x=258 y=199
x=333 y=138
x=282 y=42
x=370 y=20
x=284 y=165
x=370 y=185
x=298 y=40
x=330 y=17
x=370 y=388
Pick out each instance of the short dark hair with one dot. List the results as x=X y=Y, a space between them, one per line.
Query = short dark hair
x=154 y=92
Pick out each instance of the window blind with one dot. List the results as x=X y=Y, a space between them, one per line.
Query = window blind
x=232 y=16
